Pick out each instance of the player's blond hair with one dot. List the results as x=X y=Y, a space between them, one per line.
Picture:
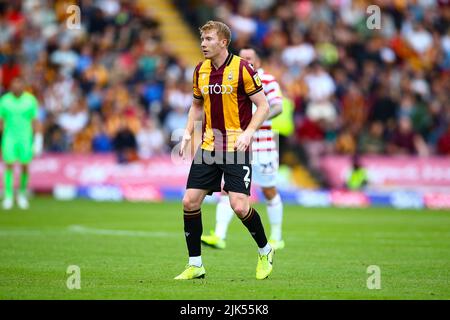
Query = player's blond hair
x=223 y=31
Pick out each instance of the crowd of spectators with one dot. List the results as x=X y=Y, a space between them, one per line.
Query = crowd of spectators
x=114 y=85
x=107 y=84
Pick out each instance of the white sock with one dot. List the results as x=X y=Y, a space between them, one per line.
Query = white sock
x=275 y=212
x=195 y=261
x=224 y=213
x=265 y=250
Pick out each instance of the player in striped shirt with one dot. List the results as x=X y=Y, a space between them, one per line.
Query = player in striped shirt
x=264 y=165
x=225 y=87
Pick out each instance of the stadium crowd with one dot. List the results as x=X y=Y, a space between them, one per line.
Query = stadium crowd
x=114 y=85
x=109 y=85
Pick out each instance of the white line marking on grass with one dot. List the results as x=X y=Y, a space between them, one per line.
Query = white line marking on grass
x=23 y=232
x=127 y=233
x=83 y=230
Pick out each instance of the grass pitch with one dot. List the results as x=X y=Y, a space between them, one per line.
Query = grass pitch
x=133 y=251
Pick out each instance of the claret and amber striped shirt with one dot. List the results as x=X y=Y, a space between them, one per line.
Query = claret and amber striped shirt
x=226 y=95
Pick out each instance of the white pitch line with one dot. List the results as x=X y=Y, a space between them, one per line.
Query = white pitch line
x=127 y=233
x=83 y=230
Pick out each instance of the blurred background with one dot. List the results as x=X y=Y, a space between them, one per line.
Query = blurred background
x=113 y=91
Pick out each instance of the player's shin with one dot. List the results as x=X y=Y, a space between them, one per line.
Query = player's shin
x=8 y=182
x=252 y=221
x=275 y=213
x=224 y=214
x=193 y=230
x=24 y=177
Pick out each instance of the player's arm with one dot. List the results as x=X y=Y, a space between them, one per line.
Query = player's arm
x=254 y=90
x=262 y=111
x=38 y=141
x=275 y=98
x=275 y=110
x=195 y=114
x=1 y=113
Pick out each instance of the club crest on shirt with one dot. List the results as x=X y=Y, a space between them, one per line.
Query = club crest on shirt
x=257 y=80
x=230 y=75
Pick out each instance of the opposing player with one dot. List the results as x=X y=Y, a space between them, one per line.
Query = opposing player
x=264 y=166
x=18 y=114
x=225 y=86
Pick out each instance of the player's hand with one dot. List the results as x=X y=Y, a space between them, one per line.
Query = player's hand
x=243 y=141
x=38 y=144
x=184 y=142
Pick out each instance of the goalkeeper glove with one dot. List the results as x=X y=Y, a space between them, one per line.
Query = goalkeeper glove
x=38 y=144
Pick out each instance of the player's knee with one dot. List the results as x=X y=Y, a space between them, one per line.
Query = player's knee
x=269 y=193
x=190 y=203
x=240 y=207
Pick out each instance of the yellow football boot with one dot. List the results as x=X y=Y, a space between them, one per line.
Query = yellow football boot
x=214 y=241
x=192 y=272
x=264 y=266
x=276 y=244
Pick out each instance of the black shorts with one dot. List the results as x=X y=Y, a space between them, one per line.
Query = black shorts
x=208 y=167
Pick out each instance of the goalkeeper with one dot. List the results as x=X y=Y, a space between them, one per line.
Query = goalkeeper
x=18 y=117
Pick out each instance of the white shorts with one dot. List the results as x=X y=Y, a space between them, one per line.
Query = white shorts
x=265 y=173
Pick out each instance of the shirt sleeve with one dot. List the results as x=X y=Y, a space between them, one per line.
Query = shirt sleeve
x=273 y=92
x=252 y=82
x=195 y=89
x=2 y=107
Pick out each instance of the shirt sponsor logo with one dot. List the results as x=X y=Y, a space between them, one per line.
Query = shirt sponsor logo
x=217 y=89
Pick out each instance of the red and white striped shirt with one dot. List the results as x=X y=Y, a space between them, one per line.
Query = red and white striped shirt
x=263 y=141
